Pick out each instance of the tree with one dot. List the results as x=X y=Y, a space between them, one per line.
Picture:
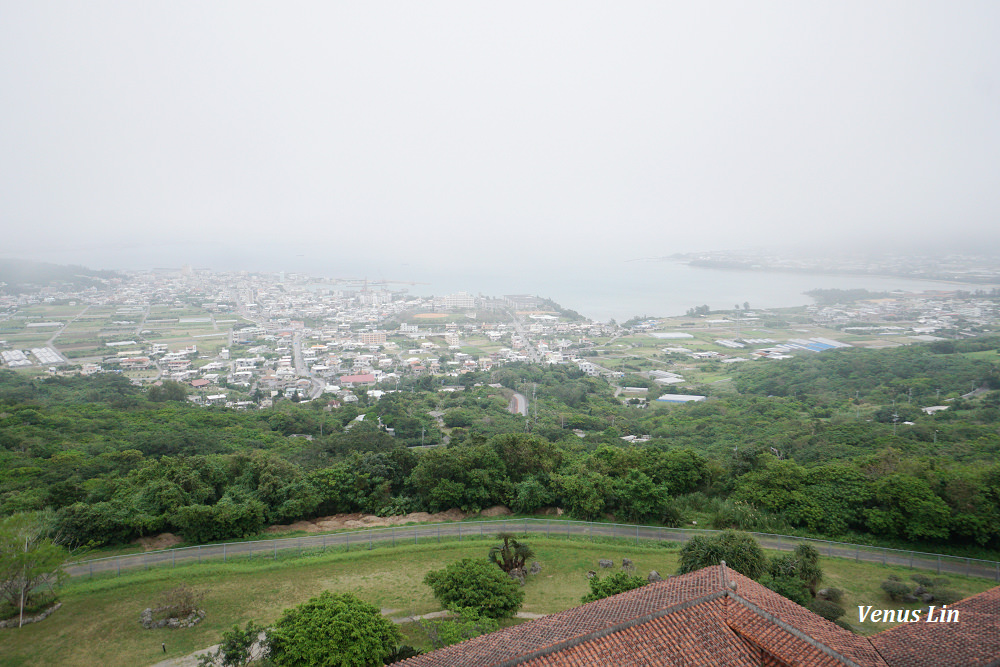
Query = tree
x=168 y=391
x=475 y=583
x=511 y=555
x=238 y=648
x=584 y=493
x=788 y=587
x=29 y=559
x=332 y=631
x=619 y=582
x=809 y=572
x=740 y=551
x=530 y=495
x=640 y=500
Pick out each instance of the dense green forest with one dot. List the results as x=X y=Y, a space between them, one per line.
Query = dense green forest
x=831 y=444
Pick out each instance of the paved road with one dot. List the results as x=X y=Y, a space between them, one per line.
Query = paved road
x=51 y=341
x=369 y=538
x=300 y=367
x=528 y=346
x=518 y=404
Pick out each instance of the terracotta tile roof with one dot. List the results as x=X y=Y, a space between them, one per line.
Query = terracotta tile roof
x=710 y=617
x=690 y=637
x=972 y=641
x=774 y=619
x=521 y=641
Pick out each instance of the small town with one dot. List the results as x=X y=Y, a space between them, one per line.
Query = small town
x=245 y=340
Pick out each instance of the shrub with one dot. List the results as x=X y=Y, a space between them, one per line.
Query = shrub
x=670 y=515
x=530 y=495
x=789 y=587
x=827 y=610
x=744 y=516
x=331 y=631
x=834 y=594
x=922 y=580
x=844 y=624
x=619 y=582
x=179 y=602
x=783 y=566
x=895 y=588
x=740 y=551
x=469 y=623
x=946 y=595
x=476 y=583
x=237 y=648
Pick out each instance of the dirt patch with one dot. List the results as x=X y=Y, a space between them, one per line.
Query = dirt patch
x=157 y=542
x=429 y=316
x=357 y=520
x=496 y=510
x=549 y=511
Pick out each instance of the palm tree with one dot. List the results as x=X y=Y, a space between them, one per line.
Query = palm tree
x=510 y=555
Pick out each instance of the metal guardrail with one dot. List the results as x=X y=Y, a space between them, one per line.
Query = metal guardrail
x=370 y=538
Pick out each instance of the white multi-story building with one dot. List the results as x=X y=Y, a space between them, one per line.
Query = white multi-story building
x=460 y=300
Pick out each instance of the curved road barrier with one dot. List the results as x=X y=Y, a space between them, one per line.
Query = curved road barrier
x=371 y=538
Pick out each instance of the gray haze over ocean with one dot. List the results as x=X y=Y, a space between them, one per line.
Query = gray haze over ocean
x=498 y=147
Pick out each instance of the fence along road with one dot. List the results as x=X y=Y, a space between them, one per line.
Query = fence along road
x=370 y=538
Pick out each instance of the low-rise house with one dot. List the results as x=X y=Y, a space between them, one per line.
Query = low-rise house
x=357 y=380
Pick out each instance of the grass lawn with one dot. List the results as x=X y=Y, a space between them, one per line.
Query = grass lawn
x=415 y=635
x=988 y=355
x=99 y=620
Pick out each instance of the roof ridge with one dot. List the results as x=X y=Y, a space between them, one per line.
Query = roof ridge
x=875 y=648
x=795 y=632
x=608 y=630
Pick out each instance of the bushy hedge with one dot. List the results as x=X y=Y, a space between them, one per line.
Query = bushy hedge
x=332 y=631
x=739 y=550
x=476 y=583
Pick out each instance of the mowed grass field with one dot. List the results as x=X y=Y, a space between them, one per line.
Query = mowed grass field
x=99 y=621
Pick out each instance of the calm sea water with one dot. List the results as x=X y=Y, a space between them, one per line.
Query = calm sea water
x=596 y=287
x=670 y=288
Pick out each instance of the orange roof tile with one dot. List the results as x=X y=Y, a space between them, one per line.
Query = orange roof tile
x=710 y=617
x=972 y=641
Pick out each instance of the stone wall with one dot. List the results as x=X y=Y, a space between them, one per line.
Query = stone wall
x=192 y=619
x=14 y=622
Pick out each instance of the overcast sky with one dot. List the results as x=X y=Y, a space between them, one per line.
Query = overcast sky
x=492 y=133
